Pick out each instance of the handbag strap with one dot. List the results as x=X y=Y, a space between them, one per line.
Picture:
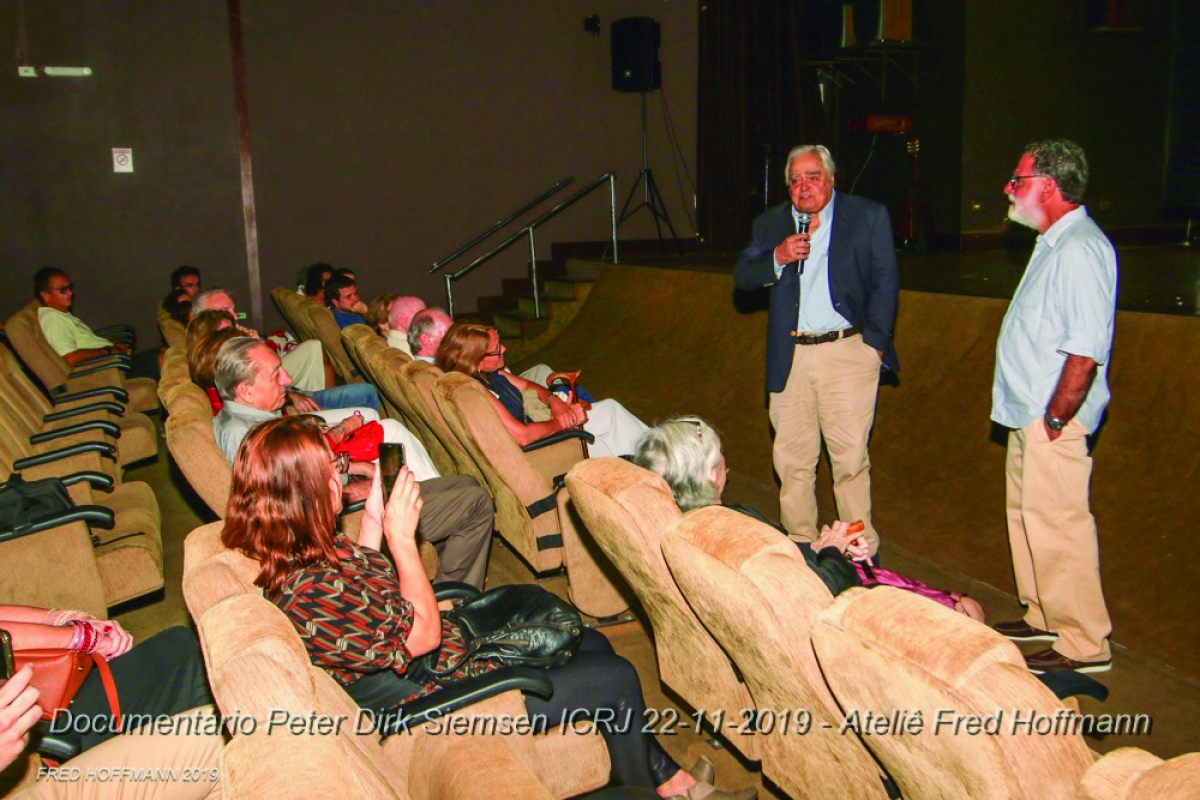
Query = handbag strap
x=110 y=688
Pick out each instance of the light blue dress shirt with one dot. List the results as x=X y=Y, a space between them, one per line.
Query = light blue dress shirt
x=1065 y=304
x=816 y=305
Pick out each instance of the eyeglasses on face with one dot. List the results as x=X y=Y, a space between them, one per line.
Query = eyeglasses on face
x=1014 y=182
x=66 y=289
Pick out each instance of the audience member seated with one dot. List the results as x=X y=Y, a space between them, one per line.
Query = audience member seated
x=186 y=279
x=306 y=362
x=178 y=306
x=205 y=322
x=315 y=277
x=70 y=337
x=476 y=351
x=341 y=293
x=378 y=311
x=202 y=357
x=404 y=310
x=190 y=745
x=686 y=452
x=308 y=569
x=458 y=515
x=426 y=332
x=163 y=675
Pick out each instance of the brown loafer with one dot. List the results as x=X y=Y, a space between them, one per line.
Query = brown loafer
x=1018 y=630
x=704 y=771
x=1051 y=661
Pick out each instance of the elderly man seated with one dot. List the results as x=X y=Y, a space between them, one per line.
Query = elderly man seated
x=70 y=336
x=457 y=514
x=400 y=318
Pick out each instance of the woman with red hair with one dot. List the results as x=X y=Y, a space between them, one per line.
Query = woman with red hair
x=376 y=619
x=476 y=350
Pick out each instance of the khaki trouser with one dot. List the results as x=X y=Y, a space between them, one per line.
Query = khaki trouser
x=1056 y=557
x=830 y=393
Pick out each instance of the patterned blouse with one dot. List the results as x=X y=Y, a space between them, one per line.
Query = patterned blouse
x=353 y=620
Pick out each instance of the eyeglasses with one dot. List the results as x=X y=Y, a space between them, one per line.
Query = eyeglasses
x=699 y=428
x=1014 y=182
x=70 y=287
x=494 y=354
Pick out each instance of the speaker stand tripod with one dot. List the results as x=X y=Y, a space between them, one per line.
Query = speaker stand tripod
x=651 y=198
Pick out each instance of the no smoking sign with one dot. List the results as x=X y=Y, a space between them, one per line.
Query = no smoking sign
x=122 y=159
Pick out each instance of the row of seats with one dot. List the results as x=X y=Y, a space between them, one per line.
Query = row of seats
x=312 y=321
x=718 y=585
x=85 y=427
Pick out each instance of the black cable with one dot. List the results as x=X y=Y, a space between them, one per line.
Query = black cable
x=864 y=166
x=676 y=150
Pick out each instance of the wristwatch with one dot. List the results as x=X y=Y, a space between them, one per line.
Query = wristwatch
x=1054 y=423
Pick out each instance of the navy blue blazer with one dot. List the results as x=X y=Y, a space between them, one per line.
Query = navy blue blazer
x=864 y=284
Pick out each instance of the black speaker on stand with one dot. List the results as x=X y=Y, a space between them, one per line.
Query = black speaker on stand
x=636 y=68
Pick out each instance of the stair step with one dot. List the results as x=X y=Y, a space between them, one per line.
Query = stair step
x=496 y=302
x=525 y=302
x=565 y=287
x=519 y=324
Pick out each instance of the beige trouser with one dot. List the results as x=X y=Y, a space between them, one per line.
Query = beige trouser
x=168 y=765
x=1056 y=557
x=830 y=393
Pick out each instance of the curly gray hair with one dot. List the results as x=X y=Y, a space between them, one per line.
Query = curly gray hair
x=685 y=451
x=1064 y=161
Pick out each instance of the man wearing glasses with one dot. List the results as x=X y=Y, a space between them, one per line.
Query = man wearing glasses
x=70 y=337
x=831 y=263
x=1050 y=391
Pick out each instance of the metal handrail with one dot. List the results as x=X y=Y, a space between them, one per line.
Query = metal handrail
x=532 y=203
x=527 y=231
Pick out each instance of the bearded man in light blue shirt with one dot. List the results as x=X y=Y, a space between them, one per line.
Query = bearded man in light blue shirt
x=1050 y=389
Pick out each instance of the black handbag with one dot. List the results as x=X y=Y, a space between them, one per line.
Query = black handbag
x=22 y=502
x=516 y=626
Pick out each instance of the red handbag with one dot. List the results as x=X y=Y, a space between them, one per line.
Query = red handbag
x=362 y=444
x=58 y=673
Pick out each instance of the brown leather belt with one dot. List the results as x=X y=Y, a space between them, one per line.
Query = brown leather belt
x=822 y=338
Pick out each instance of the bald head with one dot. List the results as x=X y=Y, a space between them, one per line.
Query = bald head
x=402 y=312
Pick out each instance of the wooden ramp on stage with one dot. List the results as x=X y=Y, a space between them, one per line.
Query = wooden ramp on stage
x=672 y=341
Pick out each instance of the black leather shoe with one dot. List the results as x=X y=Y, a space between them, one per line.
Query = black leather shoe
x=1051 y=660
x=1018 y=630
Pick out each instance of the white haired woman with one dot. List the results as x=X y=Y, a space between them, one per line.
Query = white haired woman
x=686 y=452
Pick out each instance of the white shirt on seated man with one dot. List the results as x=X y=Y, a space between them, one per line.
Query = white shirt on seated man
x=253 y=383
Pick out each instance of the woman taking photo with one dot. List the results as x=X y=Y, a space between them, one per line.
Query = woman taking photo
x=476 y=351
x=686 y=453
x=283 y=512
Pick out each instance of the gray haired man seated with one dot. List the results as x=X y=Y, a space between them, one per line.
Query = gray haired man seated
x=456 y=517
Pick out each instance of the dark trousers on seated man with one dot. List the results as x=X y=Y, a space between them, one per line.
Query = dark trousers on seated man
x=456 y=518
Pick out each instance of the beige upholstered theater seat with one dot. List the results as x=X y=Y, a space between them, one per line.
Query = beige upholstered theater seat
x=136 y=440
x=192 y=444
x=34 y=567
x=57 y=376
x=890 y=652
x=415 y=381
x=325 y=329
x=1128 y=773
x=386 y=365
x=751 y=588
x=258 y=667
x=627 y=510
x=532 y=513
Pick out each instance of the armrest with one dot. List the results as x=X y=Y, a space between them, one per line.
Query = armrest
x=109 y=428
x=351 y=508
x=462 y=694
x=94 y=516
x=59 y=746
x=455 y=590
x=118 y=394
x=105 y=449
x=112 y=408
x=119 y=327
x=113 y=359
x=561 y=436
x=97 y=480
x=79 y=373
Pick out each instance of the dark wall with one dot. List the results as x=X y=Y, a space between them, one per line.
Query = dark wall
x=384 y=135
x=1035 y=70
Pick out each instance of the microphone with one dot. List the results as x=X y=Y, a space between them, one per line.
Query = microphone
x=804 y=219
